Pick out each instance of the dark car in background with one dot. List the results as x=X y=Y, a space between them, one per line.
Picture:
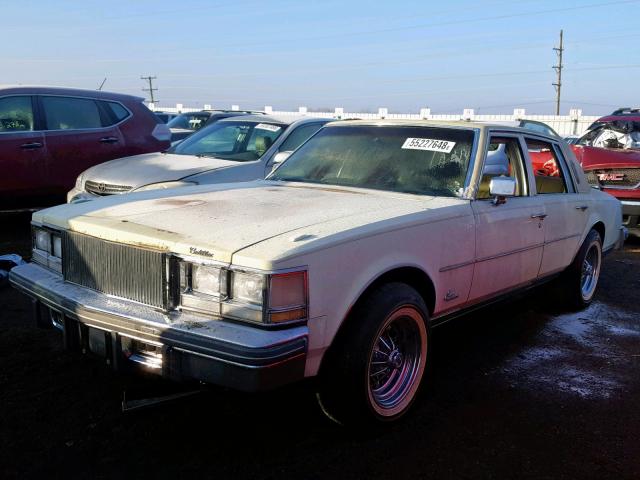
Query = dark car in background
x=186 y=123
x=165 y=117
x=49 y=135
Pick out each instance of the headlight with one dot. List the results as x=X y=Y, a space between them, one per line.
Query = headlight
x=47 y=248
x=247 y=287
x=57 y=246
x=205 y=279
x=253 y=296
x=156 y=186
x=42 y=240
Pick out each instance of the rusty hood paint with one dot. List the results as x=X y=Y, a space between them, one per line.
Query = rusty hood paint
x=214 y=221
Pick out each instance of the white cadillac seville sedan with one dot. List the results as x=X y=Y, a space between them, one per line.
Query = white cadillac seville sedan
x=337 y=265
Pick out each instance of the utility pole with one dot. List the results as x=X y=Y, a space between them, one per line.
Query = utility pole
x=558 y=69
x=150 y=79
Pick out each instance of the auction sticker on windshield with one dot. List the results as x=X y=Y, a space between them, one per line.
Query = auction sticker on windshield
x=266 y=126
x=429 y=144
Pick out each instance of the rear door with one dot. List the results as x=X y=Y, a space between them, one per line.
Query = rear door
x=80 y=133
x=567 y=210
x=509 y=236
x=23 y=166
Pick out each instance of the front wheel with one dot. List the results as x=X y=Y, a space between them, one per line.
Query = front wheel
x=374 y=369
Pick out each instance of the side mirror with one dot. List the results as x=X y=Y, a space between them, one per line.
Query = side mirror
x=277 y=159
x=280 y=157
x=502 y=187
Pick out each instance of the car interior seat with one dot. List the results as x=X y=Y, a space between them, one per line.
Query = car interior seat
x=262 y=145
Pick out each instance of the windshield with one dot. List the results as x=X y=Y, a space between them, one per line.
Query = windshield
x=419 y=160
x=237 y=140
x=189 y=121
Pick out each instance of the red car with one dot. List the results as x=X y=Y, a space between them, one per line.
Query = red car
x=610 y=155
x=49 y=135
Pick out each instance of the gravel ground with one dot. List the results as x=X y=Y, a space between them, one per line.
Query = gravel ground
x=518 y=390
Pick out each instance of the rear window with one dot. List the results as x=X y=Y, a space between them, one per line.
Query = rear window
x=66 y=113
x=189 y=121
x=118 y=111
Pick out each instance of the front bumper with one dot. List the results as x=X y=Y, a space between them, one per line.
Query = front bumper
x=187 y=346
x=631 y=214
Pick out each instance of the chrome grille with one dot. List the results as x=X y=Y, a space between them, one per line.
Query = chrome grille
x=121 y=270
x=629 y=177
x=98 y=188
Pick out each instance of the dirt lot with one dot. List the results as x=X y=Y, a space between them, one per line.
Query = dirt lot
x=517 y=391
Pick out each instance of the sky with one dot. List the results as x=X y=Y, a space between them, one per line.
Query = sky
x=492 y=56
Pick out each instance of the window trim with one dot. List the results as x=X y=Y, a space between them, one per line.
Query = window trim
x=97 y=101
x=38 y=113
x=528 y=170
x=566 y=175
x=564 y=165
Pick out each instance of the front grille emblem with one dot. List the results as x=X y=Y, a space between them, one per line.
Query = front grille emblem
x=611 y=177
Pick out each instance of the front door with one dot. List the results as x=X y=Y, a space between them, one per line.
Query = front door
x=509 y=236
x=23 y=155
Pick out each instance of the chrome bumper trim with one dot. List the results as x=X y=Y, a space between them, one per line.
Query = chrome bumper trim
x=211 y=350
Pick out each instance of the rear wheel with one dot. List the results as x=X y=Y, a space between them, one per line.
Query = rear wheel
x=373 y=371
x=580 y=280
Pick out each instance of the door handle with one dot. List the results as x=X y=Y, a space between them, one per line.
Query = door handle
x=541 y=216
x=582 y=207
x=108 y=139
x=31 y=145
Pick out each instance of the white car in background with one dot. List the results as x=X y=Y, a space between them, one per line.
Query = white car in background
x=235 y=149
x=336 y=266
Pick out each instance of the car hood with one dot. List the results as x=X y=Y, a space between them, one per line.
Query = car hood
x=148 y=168
x=215 y=221
x=594 y=158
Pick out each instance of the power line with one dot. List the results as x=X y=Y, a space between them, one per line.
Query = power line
x=421 y=26
x=558 y=69
x=150 y=79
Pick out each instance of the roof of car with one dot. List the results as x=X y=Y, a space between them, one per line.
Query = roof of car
x=272 y=118
x=439 y=123
x=630 y=117
x=48 y=90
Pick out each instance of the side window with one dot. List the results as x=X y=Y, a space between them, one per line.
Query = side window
x=16 y=114
x=504 y=158
x=262 y=137
x=119 y=112
x=546 y=167
x=299 y=136
x=66 y=113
